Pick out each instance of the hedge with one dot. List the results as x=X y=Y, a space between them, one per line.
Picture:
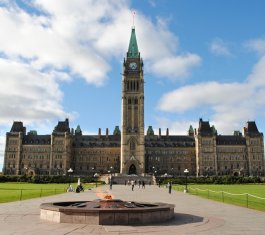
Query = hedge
x=43 y=179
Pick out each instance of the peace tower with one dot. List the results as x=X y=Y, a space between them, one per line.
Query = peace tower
x=132 y=135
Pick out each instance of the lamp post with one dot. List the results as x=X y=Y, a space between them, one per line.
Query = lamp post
x=186 y=172
x=96 y=179
x=111 y=168
x=70 y=171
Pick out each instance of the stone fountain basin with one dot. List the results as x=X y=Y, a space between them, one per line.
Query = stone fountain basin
x=107 y=212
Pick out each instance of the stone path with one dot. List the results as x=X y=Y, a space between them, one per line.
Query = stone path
x=193 y=215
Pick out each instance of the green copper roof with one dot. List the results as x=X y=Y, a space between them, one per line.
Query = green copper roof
x=78 y=129
x=150 y=131
x=117 y=131
x=133 y=48
x=191 y=130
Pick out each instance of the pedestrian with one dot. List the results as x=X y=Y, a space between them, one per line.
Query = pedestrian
x=125 y=182
x=170 y=187
x=110 y=184
x=132 y=183
x=143 y=184
x=139 y=183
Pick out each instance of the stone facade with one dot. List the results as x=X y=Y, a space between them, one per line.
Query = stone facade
x=203 y=152
x=130 y=151
x=229 y=154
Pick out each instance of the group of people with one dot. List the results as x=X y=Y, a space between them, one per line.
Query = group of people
x=78 y=189
x=133 y=183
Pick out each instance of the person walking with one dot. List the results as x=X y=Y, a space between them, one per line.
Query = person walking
x=132 y=183
x=143 y=184
x=170 y=187
x=110 y=184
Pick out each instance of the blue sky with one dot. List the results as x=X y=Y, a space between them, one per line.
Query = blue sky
x=203 y=59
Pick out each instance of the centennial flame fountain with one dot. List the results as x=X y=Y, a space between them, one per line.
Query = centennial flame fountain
x=107 y=211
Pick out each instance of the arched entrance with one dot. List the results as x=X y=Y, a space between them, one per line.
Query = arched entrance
x=132 y=170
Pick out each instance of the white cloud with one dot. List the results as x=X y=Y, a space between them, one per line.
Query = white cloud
x=176 y=67
x=220 y=48
x=84 y=36
x=257 y=45
x=210 y=93
x=34 y=97
x=257 y=77
x=175 y=127
x=231 y=104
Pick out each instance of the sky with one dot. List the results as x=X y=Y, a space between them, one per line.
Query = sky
x=63 y=59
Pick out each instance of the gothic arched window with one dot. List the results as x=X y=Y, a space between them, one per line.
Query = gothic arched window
x=132 y=145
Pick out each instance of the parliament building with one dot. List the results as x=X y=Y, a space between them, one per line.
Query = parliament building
x=131 y=150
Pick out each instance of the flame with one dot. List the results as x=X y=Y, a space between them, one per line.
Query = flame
x=108 y=197
x=103 y=194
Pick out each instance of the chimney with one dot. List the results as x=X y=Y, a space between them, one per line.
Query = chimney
x=159 y=132
x=99 y=132
x=107 y=132
x=167 y=132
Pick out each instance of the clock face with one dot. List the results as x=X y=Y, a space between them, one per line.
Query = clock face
x=133 y=65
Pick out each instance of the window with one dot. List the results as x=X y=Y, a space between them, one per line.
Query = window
x=132 y=145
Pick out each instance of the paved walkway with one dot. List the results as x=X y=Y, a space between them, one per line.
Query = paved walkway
x=193 y=215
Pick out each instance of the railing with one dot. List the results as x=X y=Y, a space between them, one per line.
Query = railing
x=241 y=199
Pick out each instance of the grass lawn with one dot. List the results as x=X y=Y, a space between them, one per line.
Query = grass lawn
x=20 y=191
x=229 y=193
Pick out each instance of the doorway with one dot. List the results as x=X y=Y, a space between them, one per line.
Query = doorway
x=132 y=170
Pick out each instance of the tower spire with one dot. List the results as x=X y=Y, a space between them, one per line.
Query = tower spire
x=133 y=48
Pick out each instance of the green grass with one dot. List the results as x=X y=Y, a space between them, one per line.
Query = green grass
x=10 y=192
x=221 y=194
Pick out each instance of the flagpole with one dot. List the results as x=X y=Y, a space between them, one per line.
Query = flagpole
x=133 y=15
